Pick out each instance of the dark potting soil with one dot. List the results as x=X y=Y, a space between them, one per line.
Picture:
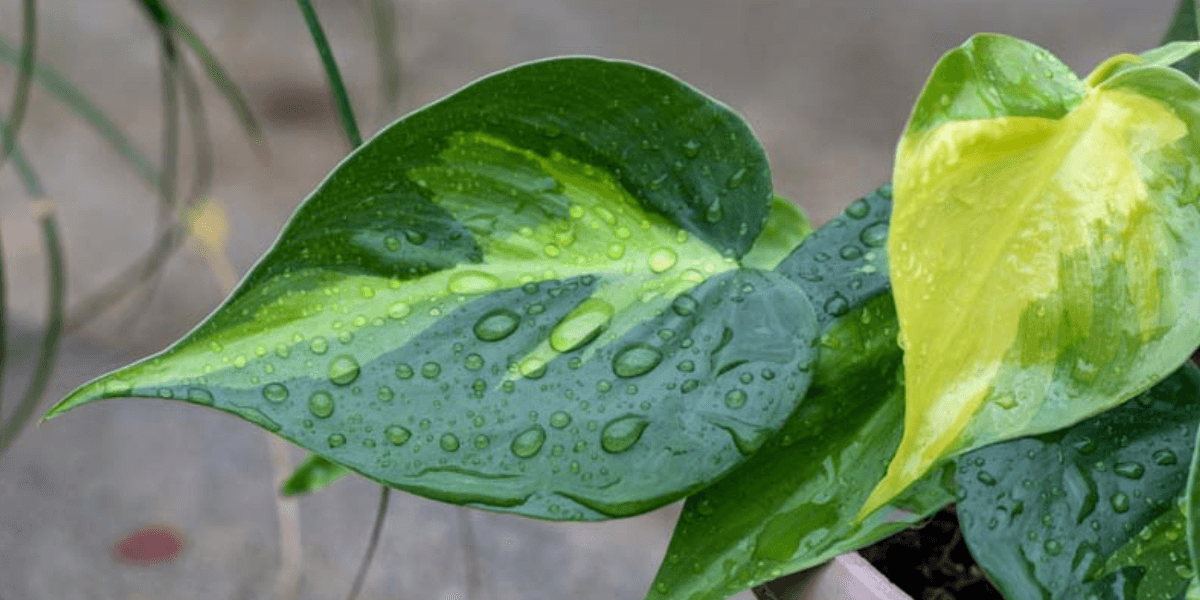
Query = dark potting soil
x=932 y=563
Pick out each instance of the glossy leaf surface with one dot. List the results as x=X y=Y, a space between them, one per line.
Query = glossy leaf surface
x=523 y=298
x=1045 y=249
x=1092 y=509
x=793 y=505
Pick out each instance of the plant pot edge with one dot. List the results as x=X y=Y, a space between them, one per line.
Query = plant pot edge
x=851 y=577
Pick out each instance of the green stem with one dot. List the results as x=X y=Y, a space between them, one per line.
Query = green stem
x=372 y=544
x=16 y=116
x=383 y=19
x=336 y=87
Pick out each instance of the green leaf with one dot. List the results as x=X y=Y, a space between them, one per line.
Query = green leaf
x=1183 y=28
x=1191 y=507
x=793 y=505
x=315 y=473
x=1044 y=255
x=786 y=227
x=1073 y=512
x=523 y=298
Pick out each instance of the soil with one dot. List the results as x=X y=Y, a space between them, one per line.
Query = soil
x=932 y=562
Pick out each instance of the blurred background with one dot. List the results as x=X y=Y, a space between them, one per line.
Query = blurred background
x=826 y=84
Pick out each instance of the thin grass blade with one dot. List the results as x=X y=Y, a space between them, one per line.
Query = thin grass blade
x=341 y=99
x=20 y=102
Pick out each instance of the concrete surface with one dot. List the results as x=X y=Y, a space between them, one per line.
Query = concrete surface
x=827 y=84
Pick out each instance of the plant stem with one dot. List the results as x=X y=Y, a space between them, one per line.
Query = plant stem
x=338 y=89
x=16 y=116
x=372 y=544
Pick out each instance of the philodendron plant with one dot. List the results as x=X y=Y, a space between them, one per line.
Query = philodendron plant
x=568 y=291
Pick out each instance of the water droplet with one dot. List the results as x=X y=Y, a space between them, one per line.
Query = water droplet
x=239 y=362
x=686 y=366
x=320 y=404
x=200 y=396
x=449 y=442
x=621 y=434
x=837 y=305
x=1053 y=547
x=414 y=237
x=473 y=362
x=1085 y=446
x=496 y=325
x=986 y=478
x=662 y=259
x=473 y=282
x=275 y=392
x=691 y=148
x=318 y=345
x=385 y=393
x=1129 y=470
x=529 y=442
x=875 y=235
x=636 y=359
x=859 y=209
x=560 y=419
x=391 y=243
x=1006 y=401
x=337 y=440
x=404 y=371
x=689 y=385
x=1165 y=457
x=850 y=252
x=430 y=370
x=616 y=250
x=399 y=310
x=684 y=305
x=737 y=178
x=343 y=370
x=532 y=368
x=735 y=399
x=581 y=325
x=714 y=212
x=117 y=388
x=396 y=434
x=1120 y=502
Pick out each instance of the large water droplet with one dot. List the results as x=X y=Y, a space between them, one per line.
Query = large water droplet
x=684 y=305
x=343 y=370
x=1165 y=457
x=404 y=371
x=529 y=442
x=473 y=362
x=1130 y=470
x=735 y=399
x=275 y=392
x=431 y=370
x=850 y=252
x=320 y=404
x=875 y=235
x=560 y=419
x=662 y=259
x=449 y=442
x=636 y=359
x=318 y=345
x=858 y=210
x=200 y=396
x=473 y=282
x=399 y=310
x=1120 y=502
x=621 y=434
x=396 y=434
x=837 y=305
x=496 y=325
x=581 y=325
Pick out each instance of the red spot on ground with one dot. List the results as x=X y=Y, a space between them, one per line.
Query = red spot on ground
x=149 y=545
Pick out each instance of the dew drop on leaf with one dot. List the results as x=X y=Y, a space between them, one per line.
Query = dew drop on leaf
x=616 y=250
x=986 y=478
x=343 y=370
x=496 y=325
x=735 y=399
x=736 y=179
x=1129 y=470
x=581 y=325
x=684 y=305
x=337 y=440
x=320 y=404
x=473 y=282
x=430 y=370
x=691 y=148
x=399 y=310
x=404 y=371
x=621 y=434
x=636 y=359
x=414 y=237
x=858 y=210
x=1120 y=502
x=560 y=419
x=837 y=305
x=529 y=442
x=662 y=259
x=200 y=396
x=318 y=345
x=1165 y=457
x=875 y=235
x=1053 y=547
x=473 y=362
x=275 y=392
x=396 y=434
x=449 y=442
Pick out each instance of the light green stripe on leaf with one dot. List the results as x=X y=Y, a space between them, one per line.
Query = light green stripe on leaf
x=1045 y=267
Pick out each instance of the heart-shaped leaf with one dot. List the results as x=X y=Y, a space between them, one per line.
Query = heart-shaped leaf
x=1092 y=509
x=1045 y=248
x=794 y=504
x=523 y=298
